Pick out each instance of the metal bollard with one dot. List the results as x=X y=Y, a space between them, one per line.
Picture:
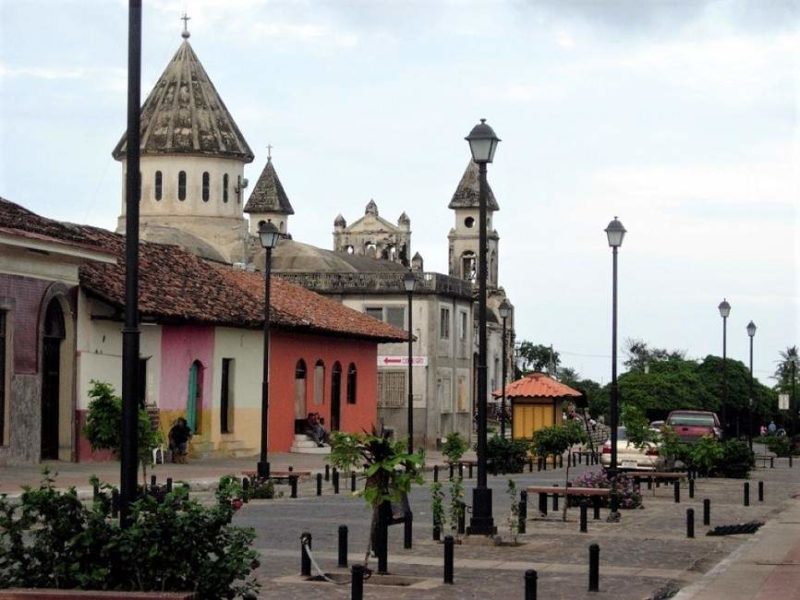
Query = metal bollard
x=574 y=460
x=543 y=503
x=544 y=463
x=649 y=483
x=335 y=481
x=691 y=488
x=596 y=507
x=469 y=471
x=353 y=481
x=357 y=582
x=555 y=499
x=790 y=460
x=689 y=522
x=245 y=489
x=594 y=568
x=452 y=470
x=530 y=584
x=114 y=502
x=760 y=491
x=538 y=463
x=560 y=461
x=580 y=458
x=771 y=462
x=706 y=512
x=435 y=473
x=305 y=560
x=153 y=481
x=437 y=533
x=584 y=510
x=293 y=486
x=522 y=516
x=169 y=484
x=448 y=559
x=746 y=494
x=461 y=470
x=462 y=519
x=677 y=489
x=408 y=528
x=327 y=472
x=342 y=546
x=319 y=484
x=530 y=465
x=95 y=490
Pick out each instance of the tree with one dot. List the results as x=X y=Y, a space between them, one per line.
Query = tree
x=537 y=358
x=641 y=356
x=556 y=440
x=783 y=372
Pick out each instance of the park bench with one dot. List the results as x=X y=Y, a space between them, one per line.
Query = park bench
x=657 y=477
x=553 y=490
x=764 y=459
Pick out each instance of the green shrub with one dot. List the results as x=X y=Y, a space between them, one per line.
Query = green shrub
x=454 y=447
x=779 y=445
x=737 y=459
x=51 y=539
x=507 y=456
x=706 y=454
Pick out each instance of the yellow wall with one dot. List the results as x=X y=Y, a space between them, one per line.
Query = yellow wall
x=528 y=418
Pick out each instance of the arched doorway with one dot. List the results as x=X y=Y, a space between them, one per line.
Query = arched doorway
x=194 y=401
x=336 y=396
x=53 y=336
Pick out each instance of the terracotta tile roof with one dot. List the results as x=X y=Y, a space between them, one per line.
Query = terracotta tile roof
x=537 y=385
x=175 y=285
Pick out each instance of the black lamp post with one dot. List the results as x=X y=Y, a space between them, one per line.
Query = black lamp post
x=409 y=283
x=129 y=443
x=793 y=407
x=724 y=311
x=615 y=232
x=751 y=331
x=268 y=235
x=505 y=311
x=482 y=143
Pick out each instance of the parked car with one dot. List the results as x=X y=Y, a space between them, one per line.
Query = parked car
x=657 y=425
x=691 y=425
x=631 y=458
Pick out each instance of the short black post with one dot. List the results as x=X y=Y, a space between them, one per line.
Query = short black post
x=169 y=484
x=342 y=546
x=437 y=533
x=448 y=558
x=522 y=516
x=543 y=503
x=293 y=486
x=452 y=470
x=689 y=522
x=435 y=473
x=596 y=507
x=580 y=458
x=335 y=481
x=530 y=464
x=538 y=463
x=319 y=484
x=461 y=470
x=245 y=489
x=382 y=537
x=706 y=512
x=691 y=488
x=584 y=510
x=153 y=481
x=649 y=483
x=357 y=582
x=469 y=471
x=760 y=491
x=291 y=468
x=544 y=463
x=560 y=461
x=594 y=568
x=305 y=559
x=462 y=519
x=771 y=462
x=95 y=490
x=327 y=472
x=353 y=481
x=114 y=503
x=408 y=528
x=530 y=584
x=555 y=500
x=677 y=489
x=790 y=460
x=746 y=494
x=574 y=460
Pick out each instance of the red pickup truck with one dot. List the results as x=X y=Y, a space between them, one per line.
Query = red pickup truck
x=691 y=425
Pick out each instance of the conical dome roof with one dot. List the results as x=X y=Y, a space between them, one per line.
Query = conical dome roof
x=268 y=194
x=467 y=193
x=185 y=115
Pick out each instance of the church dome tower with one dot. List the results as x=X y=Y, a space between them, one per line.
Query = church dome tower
x=268 y=201
x=192 y=161
x=464 y=238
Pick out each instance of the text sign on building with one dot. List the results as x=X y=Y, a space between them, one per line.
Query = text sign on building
x=783 y=401
x=402 y=361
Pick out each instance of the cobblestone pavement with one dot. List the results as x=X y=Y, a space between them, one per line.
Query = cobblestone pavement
x=646 y=555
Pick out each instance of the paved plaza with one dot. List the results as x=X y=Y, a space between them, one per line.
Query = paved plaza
x=646 y=555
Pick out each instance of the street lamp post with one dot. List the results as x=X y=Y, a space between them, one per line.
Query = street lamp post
x=268 y=235
x=793 y=407
x=409 y=283
x=724 y=311
x=505 y=311
x=751 y=331
x=482 y=143
x=615 y=232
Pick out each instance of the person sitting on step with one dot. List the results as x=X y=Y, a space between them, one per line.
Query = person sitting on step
x=315 y=430
x=179 y=437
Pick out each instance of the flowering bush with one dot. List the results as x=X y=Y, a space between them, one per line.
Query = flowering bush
x=629 y=496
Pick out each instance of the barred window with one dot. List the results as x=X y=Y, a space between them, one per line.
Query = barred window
x=391 y=389
x=444 y=323
x=396 y=315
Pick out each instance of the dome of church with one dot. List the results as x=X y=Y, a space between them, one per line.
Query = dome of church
x=296 y=257
x=177 y=237
x=184 y=114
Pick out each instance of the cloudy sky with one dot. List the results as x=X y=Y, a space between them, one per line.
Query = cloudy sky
x=680 y=117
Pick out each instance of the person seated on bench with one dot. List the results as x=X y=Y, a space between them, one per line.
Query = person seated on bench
x=315 y=430
x=179 y=437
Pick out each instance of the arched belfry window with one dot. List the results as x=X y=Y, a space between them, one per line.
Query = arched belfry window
x=206 y=186
x=182 y=185
x=159 y=185
x=351 y=383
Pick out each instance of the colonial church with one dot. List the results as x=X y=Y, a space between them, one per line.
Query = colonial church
x=193 y=195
